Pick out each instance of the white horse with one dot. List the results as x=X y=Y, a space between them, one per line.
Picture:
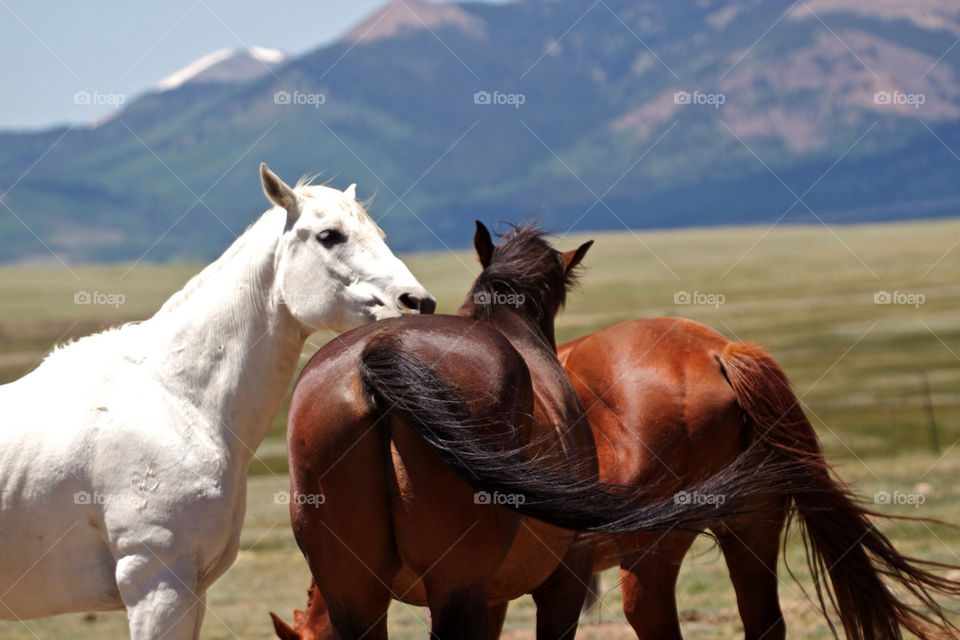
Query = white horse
x=123 y=457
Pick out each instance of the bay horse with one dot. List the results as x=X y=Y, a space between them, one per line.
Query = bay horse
x=446 y=462
x=124 y=455
x=671 y=401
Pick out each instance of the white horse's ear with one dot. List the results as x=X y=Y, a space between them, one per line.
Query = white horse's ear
x=351 y=191
x=279 y=192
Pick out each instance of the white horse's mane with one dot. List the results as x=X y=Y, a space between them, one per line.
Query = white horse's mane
x=305 y=187
x=194 y=283
x=311 y=181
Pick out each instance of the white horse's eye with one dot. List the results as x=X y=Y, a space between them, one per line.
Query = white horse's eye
x=330 y=237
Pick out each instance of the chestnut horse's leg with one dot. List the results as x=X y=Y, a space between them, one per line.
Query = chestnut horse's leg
x=751 y=547
x=560 y=599
x=649 y=566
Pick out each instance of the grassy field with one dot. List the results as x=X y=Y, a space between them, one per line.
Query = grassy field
x=874 y=379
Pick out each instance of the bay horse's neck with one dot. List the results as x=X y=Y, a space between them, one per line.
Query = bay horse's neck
x=225 y=344
x=513 y=321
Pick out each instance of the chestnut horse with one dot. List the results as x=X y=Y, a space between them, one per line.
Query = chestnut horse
x=670 y=401
x=671 y=398
x=394 y=429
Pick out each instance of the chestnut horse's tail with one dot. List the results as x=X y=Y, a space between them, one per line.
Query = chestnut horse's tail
x=842 y=543
x=402 y=385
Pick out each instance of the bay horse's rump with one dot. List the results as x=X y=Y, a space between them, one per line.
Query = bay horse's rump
x=346 y=446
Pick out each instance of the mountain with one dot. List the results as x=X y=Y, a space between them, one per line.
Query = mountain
x=590 y=116
x=400 y=18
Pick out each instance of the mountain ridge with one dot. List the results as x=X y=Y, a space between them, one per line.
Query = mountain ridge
x=412 y=111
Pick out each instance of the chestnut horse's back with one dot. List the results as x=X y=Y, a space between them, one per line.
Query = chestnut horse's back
x=657 y=400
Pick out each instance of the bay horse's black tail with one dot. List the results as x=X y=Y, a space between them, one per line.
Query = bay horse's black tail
x=843 y=545
x=408 y=388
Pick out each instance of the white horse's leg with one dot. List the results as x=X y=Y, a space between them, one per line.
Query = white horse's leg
x=161 y=600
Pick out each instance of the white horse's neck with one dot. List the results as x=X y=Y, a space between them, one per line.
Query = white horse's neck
x=226 y=345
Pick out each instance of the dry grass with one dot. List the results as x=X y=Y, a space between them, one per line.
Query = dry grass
x=806 y=293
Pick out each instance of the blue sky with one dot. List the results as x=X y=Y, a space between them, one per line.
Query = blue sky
x=52 y=49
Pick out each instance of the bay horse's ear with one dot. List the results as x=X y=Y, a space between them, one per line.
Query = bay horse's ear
x=572 y=258
x=284 y=631
x=483 y=244
x=279 y=193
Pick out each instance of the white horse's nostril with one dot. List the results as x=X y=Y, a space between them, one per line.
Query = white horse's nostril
x=424 y=305
x=428 y=305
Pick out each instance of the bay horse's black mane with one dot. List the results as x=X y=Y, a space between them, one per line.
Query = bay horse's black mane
x=524 y=271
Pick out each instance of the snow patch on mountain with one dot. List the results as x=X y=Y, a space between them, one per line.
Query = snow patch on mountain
x=225 y=66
